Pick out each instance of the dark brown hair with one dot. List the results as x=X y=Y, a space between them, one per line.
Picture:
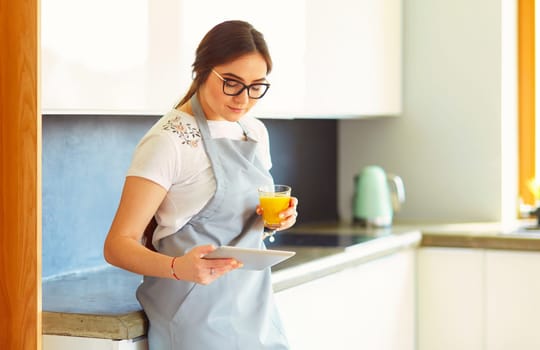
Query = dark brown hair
x=222 y=44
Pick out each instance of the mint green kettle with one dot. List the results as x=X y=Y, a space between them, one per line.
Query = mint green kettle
x=377 y=196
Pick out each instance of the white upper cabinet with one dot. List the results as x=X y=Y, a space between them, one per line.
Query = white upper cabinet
x=109 y=57
x=354 y=57
x=283 y=25
x=331 y=59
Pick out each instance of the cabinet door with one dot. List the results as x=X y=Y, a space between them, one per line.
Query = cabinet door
x=338 y=60
x=313 y=313
x=96 y=59
x=450 y=299
x=283 y=25
x=58 y=342
x=512 y=300
x=367 y=307
x=382 y=293
x=132 y=344
x=141 y=63
x=354 y=57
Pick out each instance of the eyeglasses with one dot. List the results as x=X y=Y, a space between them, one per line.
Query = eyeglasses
x=233 y=87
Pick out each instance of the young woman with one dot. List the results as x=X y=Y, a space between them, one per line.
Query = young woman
x=195 y=174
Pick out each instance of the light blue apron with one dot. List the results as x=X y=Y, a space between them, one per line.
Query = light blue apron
x=236 y=311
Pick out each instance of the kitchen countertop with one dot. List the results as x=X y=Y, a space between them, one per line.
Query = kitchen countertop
x=99 y=304
x=519 y=235
x=522 y=235
x=102 y=304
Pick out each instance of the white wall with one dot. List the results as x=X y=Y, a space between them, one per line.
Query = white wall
x=448 y=144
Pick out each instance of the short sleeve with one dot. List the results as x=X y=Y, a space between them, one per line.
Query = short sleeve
x=156 y=159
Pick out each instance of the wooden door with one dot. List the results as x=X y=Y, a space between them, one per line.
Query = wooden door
x=20 y=184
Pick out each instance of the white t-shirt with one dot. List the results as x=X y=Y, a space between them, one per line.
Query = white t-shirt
x=172 y=155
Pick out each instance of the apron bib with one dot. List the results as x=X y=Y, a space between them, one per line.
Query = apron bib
x=236 y=311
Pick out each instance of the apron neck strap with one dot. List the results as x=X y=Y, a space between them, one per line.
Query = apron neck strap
x=201 y=119
x=199 y=115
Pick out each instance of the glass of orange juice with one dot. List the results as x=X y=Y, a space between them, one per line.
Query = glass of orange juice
x=273 y=200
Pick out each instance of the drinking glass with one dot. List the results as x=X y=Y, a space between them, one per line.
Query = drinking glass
x=273 y=200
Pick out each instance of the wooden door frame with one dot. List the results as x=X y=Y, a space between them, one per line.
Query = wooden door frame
x=20 y=176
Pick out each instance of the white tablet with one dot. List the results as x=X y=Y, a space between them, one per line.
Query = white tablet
x=253 y=259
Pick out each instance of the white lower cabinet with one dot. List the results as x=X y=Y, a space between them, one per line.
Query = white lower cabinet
x=477 y=299
x=58 y=342
x=371 y=306
x=512 y=300
x=450 y=299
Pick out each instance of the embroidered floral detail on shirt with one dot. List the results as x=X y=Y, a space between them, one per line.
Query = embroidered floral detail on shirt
x=189 y=134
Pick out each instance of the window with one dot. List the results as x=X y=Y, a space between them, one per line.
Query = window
x=526 y=99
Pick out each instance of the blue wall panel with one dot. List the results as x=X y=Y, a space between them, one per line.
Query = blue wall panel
x=84 y=163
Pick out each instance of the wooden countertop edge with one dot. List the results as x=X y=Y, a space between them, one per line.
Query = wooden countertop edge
x=125 y=326
x=480 y=242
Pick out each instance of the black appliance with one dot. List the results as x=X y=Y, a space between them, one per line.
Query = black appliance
x=305 y=239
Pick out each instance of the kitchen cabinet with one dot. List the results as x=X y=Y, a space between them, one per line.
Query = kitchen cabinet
x=354 y=57
x=342 y=60
x=450 y=299
x=57 y=342
x=512 y=300
x=283 y=24
x=478 y=299
x=371 y=306
x=96 y=59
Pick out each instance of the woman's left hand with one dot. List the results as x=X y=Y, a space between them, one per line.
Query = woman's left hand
x=288 y=216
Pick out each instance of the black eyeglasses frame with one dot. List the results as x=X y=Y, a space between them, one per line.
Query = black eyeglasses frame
x=244 y=86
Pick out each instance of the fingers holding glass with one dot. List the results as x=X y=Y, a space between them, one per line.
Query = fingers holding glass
x=275 y=203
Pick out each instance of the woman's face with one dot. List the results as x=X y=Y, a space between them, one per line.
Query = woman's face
x=247 y=69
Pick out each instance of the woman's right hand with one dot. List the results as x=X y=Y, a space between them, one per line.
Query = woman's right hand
x=193 y=267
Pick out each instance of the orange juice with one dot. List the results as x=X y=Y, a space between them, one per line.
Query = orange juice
x=271 y=207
